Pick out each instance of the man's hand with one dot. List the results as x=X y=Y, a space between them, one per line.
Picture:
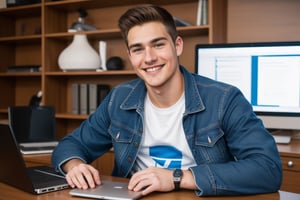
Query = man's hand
x=81 y=175
x=152 y=179
x=158 y=179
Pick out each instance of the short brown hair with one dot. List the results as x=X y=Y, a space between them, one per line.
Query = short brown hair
x=147 y=13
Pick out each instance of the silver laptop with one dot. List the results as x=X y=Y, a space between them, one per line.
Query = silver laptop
x=108 y=190
x=13 y=171
x=34 y=128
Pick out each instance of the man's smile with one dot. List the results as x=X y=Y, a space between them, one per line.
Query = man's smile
x=153 y=69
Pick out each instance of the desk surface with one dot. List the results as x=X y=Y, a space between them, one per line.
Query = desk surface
x=292 y=149
x=11 y=193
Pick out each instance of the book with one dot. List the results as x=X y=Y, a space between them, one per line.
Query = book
x=24 y=68
x=97 y=92
x=102 y=90
x=199 y=13
x=205 y=12
x=84 y=95
x=75 y=98
x=202 y=13
x=93 y=103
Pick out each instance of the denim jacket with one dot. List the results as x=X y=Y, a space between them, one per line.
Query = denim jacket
x=234 y=153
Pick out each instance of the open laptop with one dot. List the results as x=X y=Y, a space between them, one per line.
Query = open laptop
x=34 y=128
x=13 y=171
x=108 y=190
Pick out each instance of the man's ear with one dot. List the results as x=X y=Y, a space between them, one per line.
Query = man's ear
x=179 y=45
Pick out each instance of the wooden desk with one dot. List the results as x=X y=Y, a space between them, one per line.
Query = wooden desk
x=10 y=193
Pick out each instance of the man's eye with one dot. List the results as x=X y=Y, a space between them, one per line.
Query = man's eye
x=159 y=45
x=136 y=50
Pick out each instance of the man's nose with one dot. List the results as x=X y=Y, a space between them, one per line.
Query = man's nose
x=150 y=55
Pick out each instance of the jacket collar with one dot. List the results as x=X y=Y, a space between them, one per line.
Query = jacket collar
x=193 y=101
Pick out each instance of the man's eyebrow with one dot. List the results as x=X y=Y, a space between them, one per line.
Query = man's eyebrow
x=151 y=41
x=158 y=39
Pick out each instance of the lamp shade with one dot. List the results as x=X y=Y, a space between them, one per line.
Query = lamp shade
x=79 y=55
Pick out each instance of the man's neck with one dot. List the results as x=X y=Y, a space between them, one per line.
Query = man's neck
x=168 y=94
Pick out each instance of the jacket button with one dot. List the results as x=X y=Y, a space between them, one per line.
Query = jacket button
x=135 y=144
x=129 y=159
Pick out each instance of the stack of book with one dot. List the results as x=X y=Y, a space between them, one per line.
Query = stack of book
x=202 y=13
x=87 y=96
x=24 y=68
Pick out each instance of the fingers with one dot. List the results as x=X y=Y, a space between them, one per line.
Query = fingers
x=83 y=176
x=151 y=179
x=139 y=181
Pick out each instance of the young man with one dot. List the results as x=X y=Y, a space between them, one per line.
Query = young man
x=171 y=129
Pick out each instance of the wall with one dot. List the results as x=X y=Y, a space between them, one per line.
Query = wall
x=263 y=20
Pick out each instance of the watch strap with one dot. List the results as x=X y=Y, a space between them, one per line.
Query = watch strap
x=177 y=175
x=177 y=185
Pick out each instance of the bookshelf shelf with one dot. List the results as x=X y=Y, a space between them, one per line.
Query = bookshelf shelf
x=21 y=74
x=70 y=116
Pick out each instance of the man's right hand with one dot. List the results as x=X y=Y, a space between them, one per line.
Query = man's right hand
x=81 y=175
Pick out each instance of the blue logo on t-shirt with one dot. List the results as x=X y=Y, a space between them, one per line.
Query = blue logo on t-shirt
x=166 y=157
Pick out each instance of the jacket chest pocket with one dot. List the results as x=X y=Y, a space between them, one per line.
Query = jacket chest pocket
x=210 y=145
x=121 y=133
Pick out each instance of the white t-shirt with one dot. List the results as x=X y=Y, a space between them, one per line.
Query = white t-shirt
x=164 y=144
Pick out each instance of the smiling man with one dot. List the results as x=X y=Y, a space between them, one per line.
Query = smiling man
x=171 y=129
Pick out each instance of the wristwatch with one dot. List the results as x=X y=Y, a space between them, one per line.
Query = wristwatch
x=177 y=175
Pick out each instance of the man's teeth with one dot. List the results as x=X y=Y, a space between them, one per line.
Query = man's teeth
x=152 y=69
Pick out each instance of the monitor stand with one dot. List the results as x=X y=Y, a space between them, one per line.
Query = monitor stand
x=282 y=136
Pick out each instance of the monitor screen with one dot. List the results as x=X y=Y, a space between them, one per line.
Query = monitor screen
x=268 y=74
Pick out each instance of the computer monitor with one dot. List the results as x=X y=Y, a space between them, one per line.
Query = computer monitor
x=268 y=74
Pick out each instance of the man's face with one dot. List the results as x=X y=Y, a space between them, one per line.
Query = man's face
x=153 y=54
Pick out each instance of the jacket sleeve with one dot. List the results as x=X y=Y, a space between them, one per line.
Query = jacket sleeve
x=87 y=142
x=256 y=167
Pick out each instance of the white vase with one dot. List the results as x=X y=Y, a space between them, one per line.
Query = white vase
x=79 y=55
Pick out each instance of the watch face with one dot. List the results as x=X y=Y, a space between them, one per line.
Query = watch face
x=177 y=173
